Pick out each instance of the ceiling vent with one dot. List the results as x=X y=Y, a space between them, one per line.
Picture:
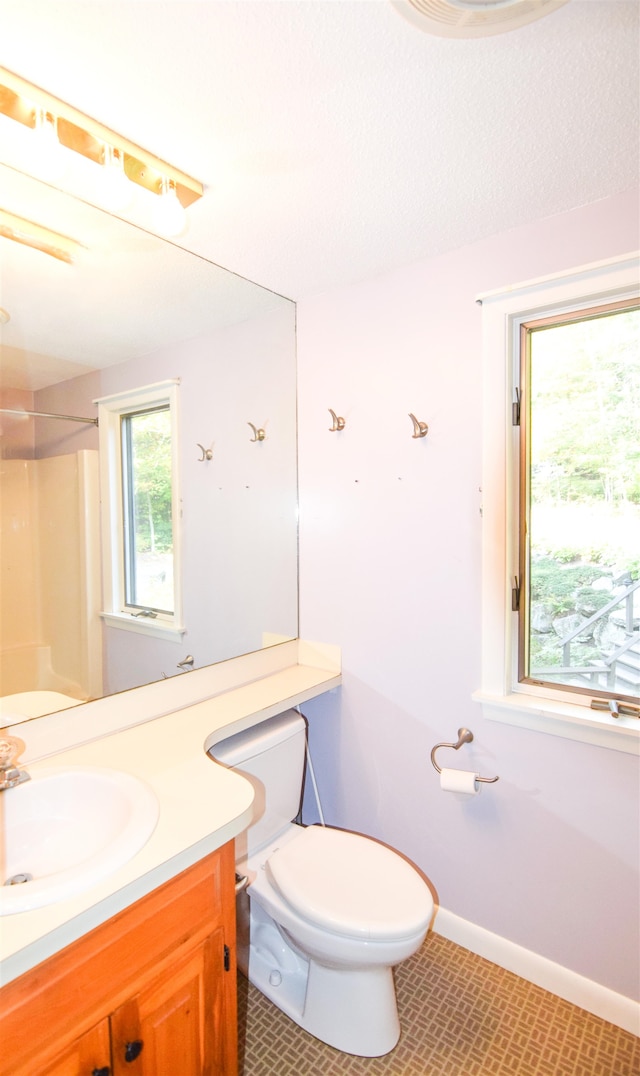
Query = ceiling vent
x=473 y=18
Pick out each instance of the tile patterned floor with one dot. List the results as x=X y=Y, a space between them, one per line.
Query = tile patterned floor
x=461 y=1016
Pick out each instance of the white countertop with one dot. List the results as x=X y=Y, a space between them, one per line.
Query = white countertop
x=202 y=805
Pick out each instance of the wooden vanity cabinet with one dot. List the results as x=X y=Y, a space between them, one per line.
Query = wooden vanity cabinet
x=151 y=992
x=86 y=1054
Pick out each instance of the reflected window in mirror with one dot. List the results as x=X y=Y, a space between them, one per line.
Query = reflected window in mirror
x=140 y=506
x=146 y=511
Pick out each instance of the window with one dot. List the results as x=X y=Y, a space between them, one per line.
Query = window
x=140 y=503
x=556 y=459
x=578 y=591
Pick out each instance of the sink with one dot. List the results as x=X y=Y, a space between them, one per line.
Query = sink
x=66 y=829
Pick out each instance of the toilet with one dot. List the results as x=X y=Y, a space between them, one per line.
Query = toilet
x=323 y=914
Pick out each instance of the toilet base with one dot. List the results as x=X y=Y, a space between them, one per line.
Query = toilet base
x=267 y=960
x=353 y=1010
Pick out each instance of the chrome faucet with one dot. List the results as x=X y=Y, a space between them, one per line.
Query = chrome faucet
x=10 y=774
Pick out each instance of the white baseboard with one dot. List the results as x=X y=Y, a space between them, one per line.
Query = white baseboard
x=622 y=1011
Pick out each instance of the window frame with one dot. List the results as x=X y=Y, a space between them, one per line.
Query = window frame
x=556 y=711
x=523 y=386
x=111 y=409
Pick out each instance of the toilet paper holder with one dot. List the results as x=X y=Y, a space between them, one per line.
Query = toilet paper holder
x=464 y=736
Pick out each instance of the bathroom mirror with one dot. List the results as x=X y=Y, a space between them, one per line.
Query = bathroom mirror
x=135 y=310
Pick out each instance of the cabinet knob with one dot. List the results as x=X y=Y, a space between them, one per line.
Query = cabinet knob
x=106 y=1071
x=133 y=1049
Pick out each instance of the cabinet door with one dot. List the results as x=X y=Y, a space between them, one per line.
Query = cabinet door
x=175 y=1024
x=89 y=1055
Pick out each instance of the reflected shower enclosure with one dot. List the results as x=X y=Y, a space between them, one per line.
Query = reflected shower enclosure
x=50 y=631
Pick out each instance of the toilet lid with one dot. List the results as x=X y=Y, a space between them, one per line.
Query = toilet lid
x=351 y=885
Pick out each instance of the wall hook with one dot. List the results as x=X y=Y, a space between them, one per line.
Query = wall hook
x=186 y=663
x=207 y=453
x=258 y=434
x=338 y=423
x=420 y=429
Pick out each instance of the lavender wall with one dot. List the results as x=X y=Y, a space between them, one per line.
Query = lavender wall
x=390 y=571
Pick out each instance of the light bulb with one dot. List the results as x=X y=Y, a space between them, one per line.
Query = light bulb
x=169 y=217
x=115 y=191
x=50 y=161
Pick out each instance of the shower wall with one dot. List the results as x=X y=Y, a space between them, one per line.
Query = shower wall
x=50 y=631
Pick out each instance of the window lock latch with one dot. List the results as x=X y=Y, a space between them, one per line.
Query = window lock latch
x=515 y=596
x=146 y=612
x=515 y=409
x=616 y=708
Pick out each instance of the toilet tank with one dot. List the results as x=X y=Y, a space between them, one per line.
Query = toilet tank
x=271 y=756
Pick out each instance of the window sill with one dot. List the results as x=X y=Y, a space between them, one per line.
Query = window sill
x=562 y=719
x=159 y=629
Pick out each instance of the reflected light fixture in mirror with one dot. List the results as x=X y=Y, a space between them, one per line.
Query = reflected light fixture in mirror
x=36 y=236
x=61 y=127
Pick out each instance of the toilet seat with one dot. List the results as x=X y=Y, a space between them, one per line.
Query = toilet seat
x=351 y=885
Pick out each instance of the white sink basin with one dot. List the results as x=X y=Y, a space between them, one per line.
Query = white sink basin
x=66 y=829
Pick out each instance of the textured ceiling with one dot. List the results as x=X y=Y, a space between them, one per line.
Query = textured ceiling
x=334 y=139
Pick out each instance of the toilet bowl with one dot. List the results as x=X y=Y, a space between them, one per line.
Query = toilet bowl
x=326 y=914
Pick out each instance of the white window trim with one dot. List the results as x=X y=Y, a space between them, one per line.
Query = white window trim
x=503 y=699
x=110 y=409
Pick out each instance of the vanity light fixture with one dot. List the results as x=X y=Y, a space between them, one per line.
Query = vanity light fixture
x=60 y=123
x=38 y=237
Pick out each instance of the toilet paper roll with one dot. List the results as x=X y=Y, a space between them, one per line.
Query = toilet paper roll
x=459 y=781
